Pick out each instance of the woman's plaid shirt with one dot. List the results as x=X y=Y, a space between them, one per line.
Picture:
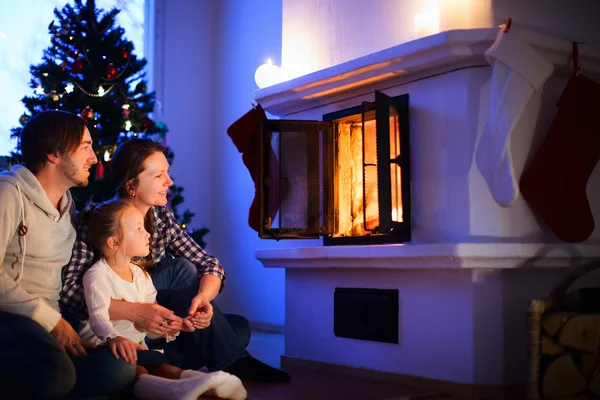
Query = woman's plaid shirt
x=168 y=236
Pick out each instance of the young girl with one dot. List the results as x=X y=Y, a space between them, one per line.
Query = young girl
x=116 y=230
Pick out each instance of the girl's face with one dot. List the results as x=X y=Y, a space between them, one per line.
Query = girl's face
x=135 y=238
x=153 y=182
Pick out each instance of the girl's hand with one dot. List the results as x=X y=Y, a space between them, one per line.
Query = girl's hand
x=174 y=326
x=125 y=347
x=187 y=325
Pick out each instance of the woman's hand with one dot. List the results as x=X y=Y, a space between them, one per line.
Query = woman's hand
x=125 y=347
x=153 y=318
x=201 y=312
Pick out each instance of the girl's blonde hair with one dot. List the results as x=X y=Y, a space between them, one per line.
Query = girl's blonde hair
x=106 y=220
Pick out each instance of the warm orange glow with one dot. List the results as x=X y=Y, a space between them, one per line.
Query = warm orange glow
x=395 y=172
x=350 y=179
x=356 y=184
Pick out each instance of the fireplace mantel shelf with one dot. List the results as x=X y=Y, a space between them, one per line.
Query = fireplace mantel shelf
x=429 y=56
x=434 y=256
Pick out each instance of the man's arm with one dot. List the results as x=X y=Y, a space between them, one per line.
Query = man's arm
x=13 y=298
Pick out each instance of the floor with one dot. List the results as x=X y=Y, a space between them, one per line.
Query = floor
x=309 y=385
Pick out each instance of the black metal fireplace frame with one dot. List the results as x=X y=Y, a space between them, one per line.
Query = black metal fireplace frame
x=389 y=231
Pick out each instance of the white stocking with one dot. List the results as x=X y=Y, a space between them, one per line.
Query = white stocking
x=518 y=71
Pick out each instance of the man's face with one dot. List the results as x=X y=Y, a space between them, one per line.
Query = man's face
x=76 y=166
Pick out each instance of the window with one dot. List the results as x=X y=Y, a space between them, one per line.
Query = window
x=23 y=38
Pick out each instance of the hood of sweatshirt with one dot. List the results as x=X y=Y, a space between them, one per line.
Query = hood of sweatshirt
x=31 y=189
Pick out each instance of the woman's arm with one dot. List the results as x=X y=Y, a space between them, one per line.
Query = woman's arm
x=146 y=317
x=182 y=245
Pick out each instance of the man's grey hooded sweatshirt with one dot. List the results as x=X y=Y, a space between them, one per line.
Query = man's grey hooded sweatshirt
x=31 y=288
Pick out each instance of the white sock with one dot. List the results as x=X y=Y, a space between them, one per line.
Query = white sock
x=518 y=71
x=150 y=387
x=232 y=387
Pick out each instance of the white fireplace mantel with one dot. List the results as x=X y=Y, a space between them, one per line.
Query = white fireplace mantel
x=426 y=57
x=437 y=255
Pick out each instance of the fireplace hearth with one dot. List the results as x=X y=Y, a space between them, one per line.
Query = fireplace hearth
x=346 y=178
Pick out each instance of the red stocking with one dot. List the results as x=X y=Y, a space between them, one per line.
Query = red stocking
x=244 y=129
x=555 y=183
x=246 y=136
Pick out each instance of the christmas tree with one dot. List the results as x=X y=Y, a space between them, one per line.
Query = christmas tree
x=90 y=69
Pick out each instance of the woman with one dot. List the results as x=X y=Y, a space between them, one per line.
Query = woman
x=186 y=277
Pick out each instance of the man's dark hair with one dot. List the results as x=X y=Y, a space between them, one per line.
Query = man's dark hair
x=50 y=132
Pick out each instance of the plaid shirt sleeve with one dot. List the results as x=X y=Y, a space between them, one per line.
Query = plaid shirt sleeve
x=182 y=245
x=72 y=300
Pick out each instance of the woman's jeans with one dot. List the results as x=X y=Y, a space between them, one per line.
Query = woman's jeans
x=217 y=346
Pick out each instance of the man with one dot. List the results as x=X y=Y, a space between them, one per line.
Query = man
x=42 y=355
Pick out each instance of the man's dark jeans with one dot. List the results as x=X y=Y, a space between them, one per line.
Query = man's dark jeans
x=35 y=366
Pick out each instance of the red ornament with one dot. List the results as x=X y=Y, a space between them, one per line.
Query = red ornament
x=111 y=71
x=125 y=114
x=124 y=53
x=147 y=124
x=100 y=170
x=87 y=113
x=77 y=66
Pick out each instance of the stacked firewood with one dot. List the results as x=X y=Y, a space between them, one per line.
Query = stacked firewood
x=570 y=358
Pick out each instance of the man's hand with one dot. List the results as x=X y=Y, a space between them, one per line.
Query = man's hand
x=125 y=347
x=200 y=312
x=153 y=318
x=66 y=336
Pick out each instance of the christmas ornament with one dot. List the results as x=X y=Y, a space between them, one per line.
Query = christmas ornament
x=125 y=113
x=77 y=66
x=87 y=113
x=141 y=87
x=111 y=71
x=518 y=73
x=23 y=119
x=555 y=182
x=124 y=53
x=53 y=95
x=147 y=124
x=99 y=170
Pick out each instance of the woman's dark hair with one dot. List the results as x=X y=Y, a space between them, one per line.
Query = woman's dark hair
x=128 y=163
x=50 y=132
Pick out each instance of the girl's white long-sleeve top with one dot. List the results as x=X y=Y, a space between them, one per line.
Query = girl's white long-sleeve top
x=101 y=284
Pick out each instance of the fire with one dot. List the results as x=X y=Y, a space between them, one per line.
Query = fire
x=356 y=183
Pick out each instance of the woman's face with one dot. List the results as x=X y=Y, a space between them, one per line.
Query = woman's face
x=153 y=182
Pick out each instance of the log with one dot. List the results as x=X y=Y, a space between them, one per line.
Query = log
x=581 y=332
x=588 y=364
x=562 y=378
x=553 y=322
x=595 y=384
x=550 y=348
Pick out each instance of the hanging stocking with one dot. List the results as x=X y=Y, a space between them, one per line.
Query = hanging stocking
x=555 y=183
x=518 y=71
x=246 y=136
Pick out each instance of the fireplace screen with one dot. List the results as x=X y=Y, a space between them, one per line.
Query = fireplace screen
x=346 y=178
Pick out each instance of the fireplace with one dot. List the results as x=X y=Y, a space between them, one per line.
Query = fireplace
x=346 y=178
x=466 y=278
